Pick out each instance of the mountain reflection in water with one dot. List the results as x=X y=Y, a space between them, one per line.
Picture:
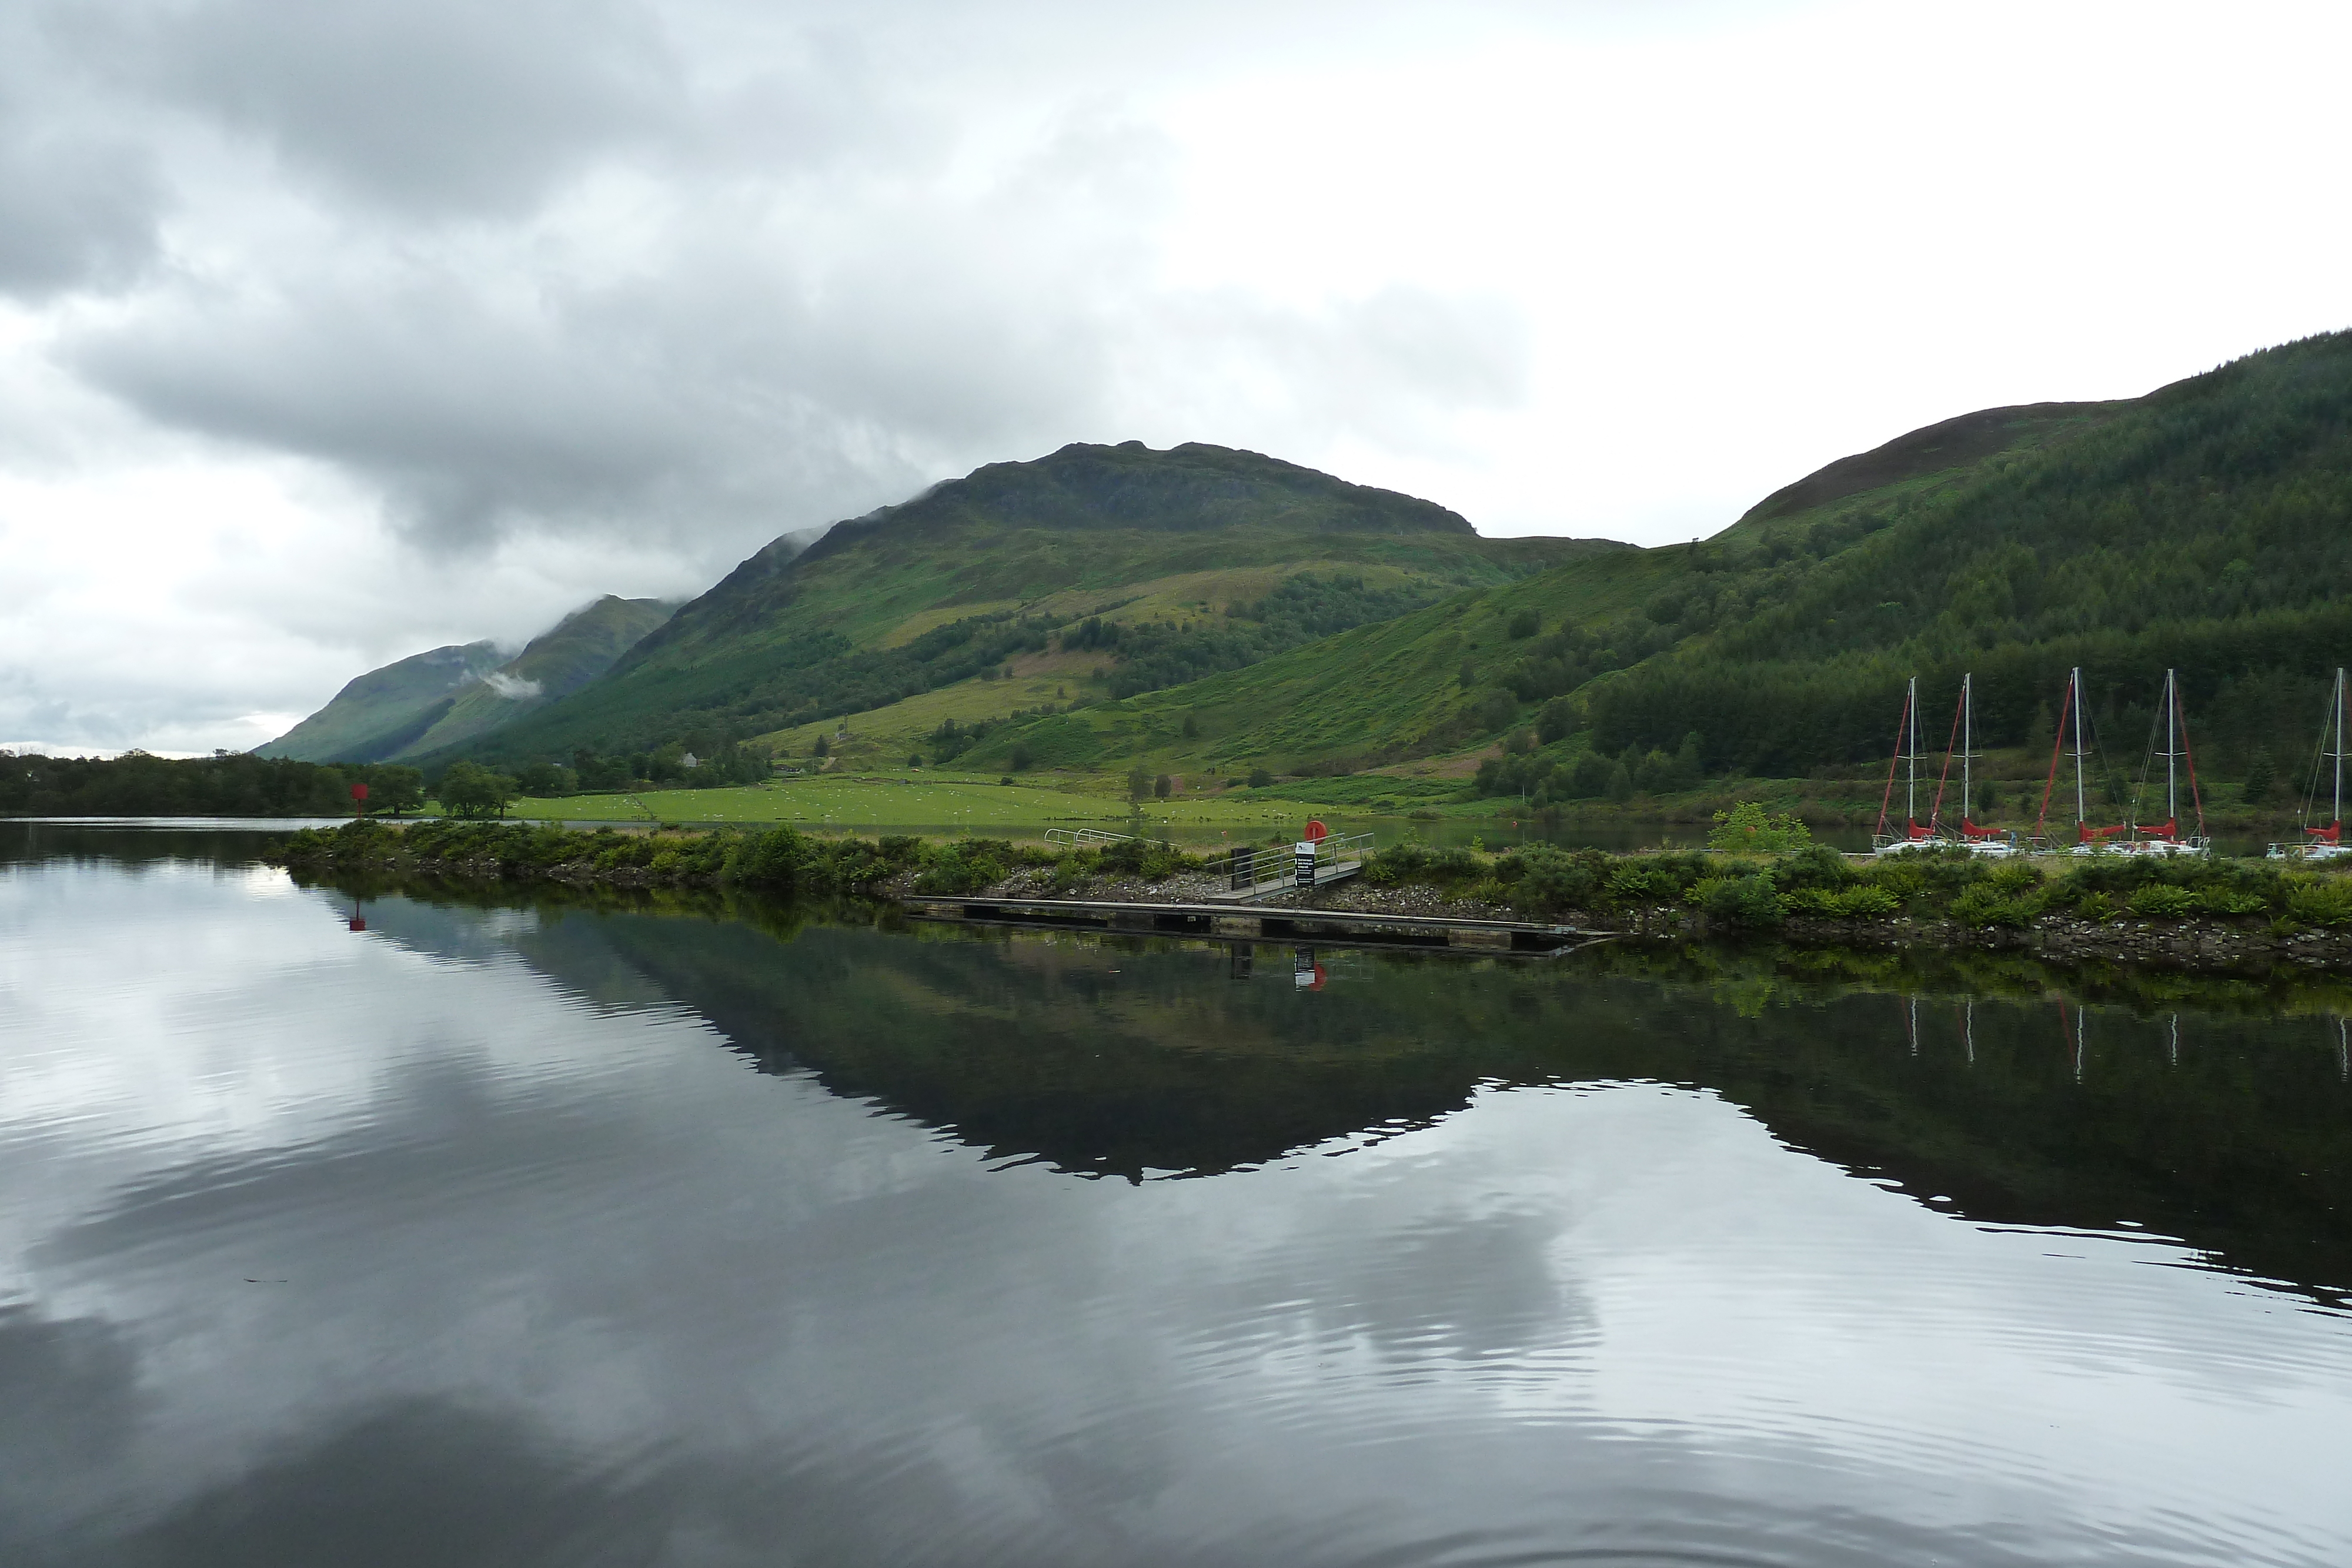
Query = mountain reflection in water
x=466 y=1238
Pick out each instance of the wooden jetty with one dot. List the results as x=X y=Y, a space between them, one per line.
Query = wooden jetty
x=1260 y=922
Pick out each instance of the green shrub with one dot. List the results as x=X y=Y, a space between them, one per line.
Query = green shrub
x=1397 y=864
x=1640 y=885
x=1406 y=862
x=1146 y=860
x=2095 y=906
x=2321 y=902
x=1814 y=866
x=1658 y=879
x=1815 y=901
x=1748 y=829
x=772 y=859
x=2013 y=878
x=1989 y=902
x=2227 y=901
x=1868 y=904
x=1864 y=902
x=1903 y=879
x=1543 y=879
x=966 y=866
x=1747 y=903
x=2158 y=902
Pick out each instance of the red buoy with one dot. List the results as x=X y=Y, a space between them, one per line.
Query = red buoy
x=1316 y=832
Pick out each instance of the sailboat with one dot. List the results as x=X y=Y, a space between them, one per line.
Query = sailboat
x=1906 y=748
x=1986 y=844
x=2088 y=840
x=2324 y=843
x=2166 y=838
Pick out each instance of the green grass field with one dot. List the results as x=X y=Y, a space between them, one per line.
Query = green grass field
x=905 y=799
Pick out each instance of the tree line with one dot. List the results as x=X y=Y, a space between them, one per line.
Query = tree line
x=226 y=784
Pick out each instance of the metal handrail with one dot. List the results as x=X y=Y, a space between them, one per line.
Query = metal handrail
x=1277 y=866
x=1092 y=838
x=1080 y=838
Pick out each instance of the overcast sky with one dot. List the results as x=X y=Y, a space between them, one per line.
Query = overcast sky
x=331 y=330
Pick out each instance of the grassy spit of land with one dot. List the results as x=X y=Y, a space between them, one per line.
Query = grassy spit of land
x=920 y=798
x=2190 y=911
x=882 y=797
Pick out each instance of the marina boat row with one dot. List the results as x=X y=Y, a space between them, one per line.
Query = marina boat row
x=2168 y=740
x=1935 y=833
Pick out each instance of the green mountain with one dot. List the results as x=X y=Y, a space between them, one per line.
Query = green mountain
x=1092 y=573
x=379 y=712
x=2204 y=527
x=448 y=696
x=583 y=646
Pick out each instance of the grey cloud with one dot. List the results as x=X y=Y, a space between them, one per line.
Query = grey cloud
x=614 y=412
x=74 y=210
x=79 y=195
x=778 y=364
x=805 y=307
x=428 y=106
x=751 y=385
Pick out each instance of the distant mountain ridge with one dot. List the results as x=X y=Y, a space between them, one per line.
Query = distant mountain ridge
x=447 y=695
x=376 y=712
x=978 y=574
x=1946 y=445
x=1189 y=489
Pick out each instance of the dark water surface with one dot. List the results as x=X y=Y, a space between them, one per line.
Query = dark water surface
x=705 y=1233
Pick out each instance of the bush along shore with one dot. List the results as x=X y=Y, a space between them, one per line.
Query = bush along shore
x=2186 y=911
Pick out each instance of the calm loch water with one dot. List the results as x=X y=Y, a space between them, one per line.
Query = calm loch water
x=388 y=1231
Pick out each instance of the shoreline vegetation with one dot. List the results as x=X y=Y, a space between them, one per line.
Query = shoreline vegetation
x=2185 y=912
x=928 y=798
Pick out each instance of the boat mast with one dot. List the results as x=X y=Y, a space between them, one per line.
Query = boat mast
x=2337 y=815
x=1911 y=788
x=2081 y=815
x=1967 y=739
x=2171 y=745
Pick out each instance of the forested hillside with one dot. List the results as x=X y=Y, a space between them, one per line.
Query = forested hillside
x=2207 y=527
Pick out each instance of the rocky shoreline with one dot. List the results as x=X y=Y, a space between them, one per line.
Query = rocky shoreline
x=2195 y=944
x=1647 y=898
